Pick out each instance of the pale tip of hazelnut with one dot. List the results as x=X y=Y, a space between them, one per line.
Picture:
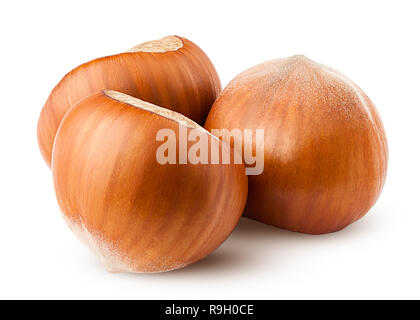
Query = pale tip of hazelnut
x=169 y=43
x=138 y=103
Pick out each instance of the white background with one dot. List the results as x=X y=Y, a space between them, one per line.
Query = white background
x=375 y=43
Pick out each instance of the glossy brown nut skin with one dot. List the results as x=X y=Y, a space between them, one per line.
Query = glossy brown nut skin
x=325 y=148
x=183 y=80
x=136 y=214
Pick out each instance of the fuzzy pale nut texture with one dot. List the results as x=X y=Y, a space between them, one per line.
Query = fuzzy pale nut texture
x=325 y=151
x=171 y=72
x=136 y=214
